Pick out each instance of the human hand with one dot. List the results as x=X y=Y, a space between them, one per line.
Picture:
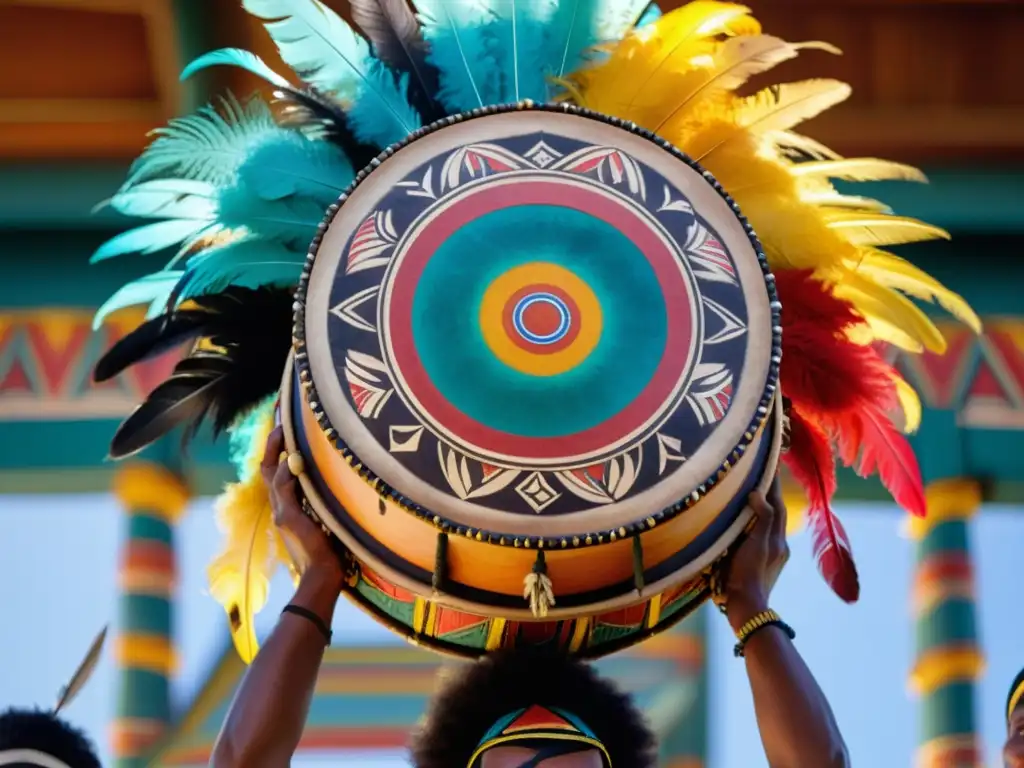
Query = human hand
x=306 y=542
x=756 y=565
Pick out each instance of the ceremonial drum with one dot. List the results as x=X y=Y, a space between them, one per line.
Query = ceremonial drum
x=534 y=381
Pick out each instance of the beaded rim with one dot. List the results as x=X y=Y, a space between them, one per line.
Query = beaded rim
x=539 y=542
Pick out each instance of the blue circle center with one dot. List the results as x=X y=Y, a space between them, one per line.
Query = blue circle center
x=564 y=318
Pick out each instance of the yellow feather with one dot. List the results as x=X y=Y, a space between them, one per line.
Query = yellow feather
x=859 y=169
x=805 y=144
x=893 y=272
x=640 y=72
x=892 y=313
x=875 y=229
x=910 y=403
x=240 y=575
x=826 y=199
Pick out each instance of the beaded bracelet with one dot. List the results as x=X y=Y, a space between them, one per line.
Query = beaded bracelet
x=764 y=619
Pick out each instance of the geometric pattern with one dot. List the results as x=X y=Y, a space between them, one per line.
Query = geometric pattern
x=981 y=378
x=46 y=361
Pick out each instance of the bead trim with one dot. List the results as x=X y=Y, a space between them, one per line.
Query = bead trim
x=491 y=537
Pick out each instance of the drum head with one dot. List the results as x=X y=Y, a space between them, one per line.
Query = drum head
x=539 y=320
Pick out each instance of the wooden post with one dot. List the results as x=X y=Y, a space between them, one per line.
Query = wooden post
x=153 y=498
x=949 y=660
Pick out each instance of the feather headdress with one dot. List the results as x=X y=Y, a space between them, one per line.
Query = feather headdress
x=238 y=191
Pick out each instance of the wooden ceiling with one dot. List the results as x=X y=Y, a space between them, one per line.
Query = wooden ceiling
x=935 y=81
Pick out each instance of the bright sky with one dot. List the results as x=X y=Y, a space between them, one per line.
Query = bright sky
x=57 y=573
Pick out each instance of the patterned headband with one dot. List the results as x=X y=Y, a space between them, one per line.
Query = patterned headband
x=537 y=723
x=1016 y=694
x=31 y=757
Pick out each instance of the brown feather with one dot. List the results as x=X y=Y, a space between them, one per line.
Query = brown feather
x=83 y=673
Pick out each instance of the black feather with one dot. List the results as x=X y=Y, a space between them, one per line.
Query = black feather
x=309 y=107
x=251 y=331
x=397 y=40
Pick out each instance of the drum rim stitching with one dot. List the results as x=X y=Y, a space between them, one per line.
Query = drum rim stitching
x=301 y=357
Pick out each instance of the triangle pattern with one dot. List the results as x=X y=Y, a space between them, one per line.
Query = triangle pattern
x=721 y=325
x=348 y=310
x=537 y=718
x=57 y=342
x=940 y=378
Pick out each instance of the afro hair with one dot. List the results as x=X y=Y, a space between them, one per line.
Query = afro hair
x=35 y=729
x=478 y=695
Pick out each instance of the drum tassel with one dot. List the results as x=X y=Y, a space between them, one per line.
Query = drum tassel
x=440 y=574
x=537 y=587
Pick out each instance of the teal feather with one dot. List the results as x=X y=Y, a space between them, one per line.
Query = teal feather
x=329 y=55
x=207 y=146
x=244 y=263
x=241 y=434
x=580 y=25
x=151 y=238
x=649 y=16
x=154 y=289
x=519 y=40
x=470 y=77
x=236 y=57
x=167 y=198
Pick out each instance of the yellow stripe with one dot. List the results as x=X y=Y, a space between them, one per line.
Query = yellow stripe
x=141 y=582
x=580 y=633
x=653 y=611
x=939 y=667
x=149 y=652
x=495 y=633
x=150 y=487
x=1015 y=699
x=419 y=615
x=955 y=499
x=431 y=629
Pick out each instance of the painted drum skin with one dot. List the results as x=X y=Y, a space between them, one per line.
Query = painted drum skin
x=539 y=341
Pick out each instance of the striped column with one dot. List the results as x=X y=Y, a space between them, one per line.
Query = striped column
x=686 y=746
x=949 y=659
x=153 y=498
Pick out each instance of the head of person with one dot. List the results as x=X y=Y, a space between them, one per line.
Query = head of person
x=532 y=708
x=37 y=739
x=1013 y=752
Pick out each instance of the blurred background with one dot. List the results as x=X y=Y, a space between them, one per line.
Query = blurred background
x=917 y=671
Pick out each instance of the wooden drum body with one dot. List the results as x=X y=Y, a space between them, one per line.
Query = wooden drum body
x=536 y=357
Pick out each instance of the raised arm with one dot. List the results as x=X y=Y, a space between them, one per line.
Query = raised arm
x=798 y=729
x=265 y=722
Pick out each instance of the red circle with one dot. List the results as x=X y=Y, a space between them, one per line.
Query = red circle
x=557 y=193
x=508 y=322
x=541 y=318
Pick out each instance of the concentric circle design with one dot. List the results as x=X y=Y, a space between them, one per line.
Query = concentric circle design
x=540 y=318
x=538 y=311
x=492 y=390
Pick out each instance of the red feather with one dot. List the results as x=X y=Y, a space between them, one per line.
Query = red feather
x=871 y=444
x=810 y=460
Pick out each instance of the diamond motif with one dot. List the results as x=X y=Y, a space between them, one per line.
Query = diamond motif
x=541 y=155
x=537 y=492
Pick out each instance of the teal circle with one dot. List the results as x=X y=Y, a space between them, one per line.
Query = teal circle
x=454 y=354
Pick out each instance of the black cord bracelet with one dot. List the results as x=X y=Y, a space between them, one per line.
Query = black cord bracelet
x=738 y=650
x=310 y=616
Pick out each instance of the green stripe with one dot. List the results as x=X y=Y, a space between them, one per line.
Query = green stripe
x=143 y=524
x=146 y=615
x=132 y=762
x=144 y=694
x=950 y=623
x=949 y=711
x=947 y=536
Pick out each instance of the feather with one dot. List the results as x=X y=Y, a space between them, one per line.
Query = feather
x=910 y=403
x=239 y=577
x=151 y=339
x=862 y=228
x=650 y=15
x=885 y=309
x=151 y=238
x=247 y=438
x=794 y=143
x=154 y=289
x=328 y=55
x=518 y=38
x=826 y=200
x=894 y=272
x=858 y=169
x=394 y=32
x=469 y=74
x=167 y=199
x=736 y=61
x=206 y=146
x=321 y=117
x=252 y=328
x=578 y=26
x=810 y=460
x=781 y=107
x=245 y=263
x=871 y=444
x=82 y=674
x=236 y=57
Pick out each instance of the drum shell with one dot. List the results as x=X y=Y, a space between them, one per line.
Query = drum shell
x=478 y=604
